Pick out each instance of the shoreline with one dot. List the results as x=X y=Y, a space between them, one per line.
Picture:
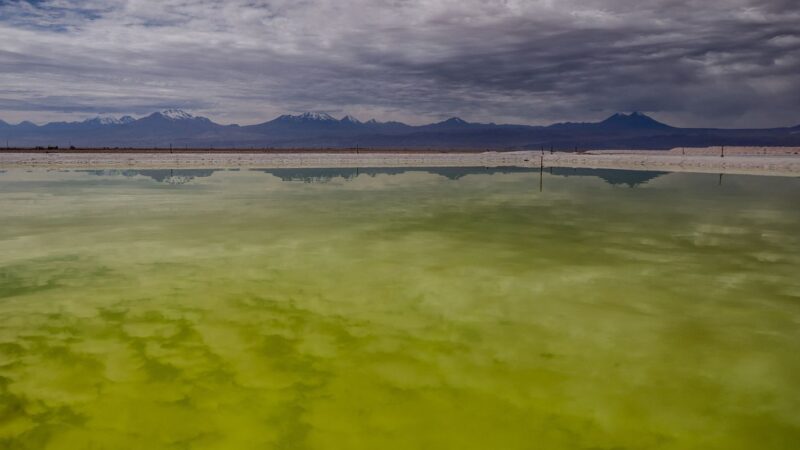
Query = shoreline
x=737 y=160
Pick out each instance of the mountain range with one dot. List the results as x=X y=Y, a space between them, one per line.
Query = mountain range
x=180 y=129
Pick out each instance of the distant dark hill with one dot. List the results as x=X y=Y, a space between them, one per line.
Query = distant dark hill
x=319 y=130
x=633 y=121
x=617 y=123
x=451 y=124
x=26 y=126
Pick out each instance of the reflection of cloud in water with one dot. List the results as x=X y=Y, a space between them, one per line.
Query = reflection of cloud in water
x=631 y=178
x=442 y=315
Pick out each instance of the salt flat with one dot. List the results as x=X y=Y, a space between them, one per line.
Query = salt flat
x=736 y=160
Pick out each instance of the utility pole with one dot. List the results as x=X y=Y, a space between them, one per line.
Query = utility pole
x=541 y=172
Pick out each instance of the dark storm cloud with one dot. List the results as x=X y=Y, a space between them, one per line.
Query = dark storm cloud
x=687 y=61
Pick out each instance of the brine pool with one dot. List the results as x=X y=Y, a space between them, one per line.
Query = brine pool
x=431 y=308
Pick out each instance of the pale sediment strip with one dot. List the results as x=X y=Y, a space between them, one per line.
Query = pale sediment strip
x=788 y=165
x=758 y=161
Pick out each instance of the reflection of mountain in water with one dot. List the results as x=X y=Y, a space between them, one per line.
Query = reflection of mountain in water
x=311 y=175
x=631 y=178
x=322 y=175
x=168 y=176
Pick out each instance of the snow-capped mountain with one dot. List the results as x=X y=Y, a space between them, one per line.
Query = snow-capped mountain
x=109 y=120
x=317 y=117
x=306 y=117
x=350 y=119
x=173 y=121
x=176 y=114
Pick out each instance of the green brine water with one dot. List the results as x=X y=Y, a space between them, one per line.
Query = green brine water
x=398 y=309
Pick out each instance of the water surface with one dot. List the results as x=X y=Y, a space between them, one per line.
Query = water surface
x=398 y=309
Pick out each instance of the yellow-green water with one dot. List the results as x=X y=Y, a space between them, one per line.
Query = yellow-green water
x=383 y=309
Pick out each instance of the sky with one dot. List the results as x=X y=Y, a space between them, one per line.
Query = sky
x=721 y=63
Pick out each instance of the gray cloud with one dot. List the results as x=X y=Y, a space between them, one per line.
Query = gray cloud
x=691 y=62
